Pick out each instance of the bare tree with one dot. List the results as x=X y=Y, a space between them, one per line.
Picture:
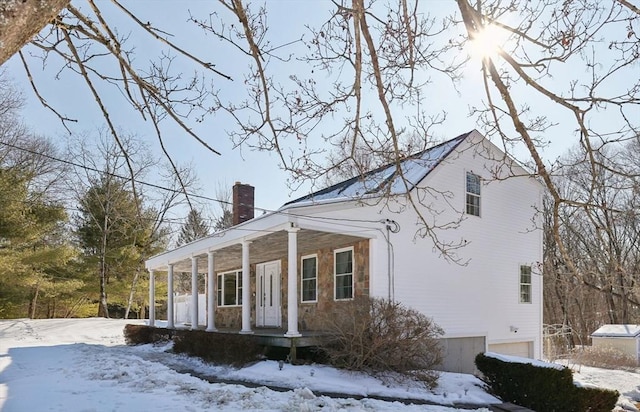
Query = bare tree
x=365 y=82
x=601 y=239
x=79 y=38
x=118 y=230
x=546 y=37
x=20 y=21
x=163 y=201
x=224 y=195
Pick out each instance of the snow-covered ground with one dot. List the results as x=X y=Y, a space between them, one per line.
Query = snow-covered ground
x=83 y=365
x=625 y=382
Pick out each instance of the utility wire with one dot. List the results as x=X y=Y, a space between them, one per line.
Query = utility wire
x=168 y=189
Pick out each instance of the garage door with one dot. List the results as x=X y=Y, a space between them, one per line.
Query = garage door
x=522 y=349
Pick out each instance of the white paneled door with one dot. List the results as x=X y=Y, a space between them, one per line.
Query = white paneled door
x=268 y=292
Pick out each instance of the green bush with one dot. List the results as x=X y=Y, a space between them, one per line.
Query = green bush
x=597 y=399
x=221 y=348
x=142 y=334
x=542 y=388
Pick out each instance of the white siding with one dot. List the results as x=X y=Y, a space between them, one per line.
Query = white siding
x=521 y=349
x=480 y=295
x=627 y=345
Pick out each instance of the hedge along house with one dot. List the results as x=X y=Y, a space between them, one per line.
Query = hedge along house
x=622 y=338
x=362 y=237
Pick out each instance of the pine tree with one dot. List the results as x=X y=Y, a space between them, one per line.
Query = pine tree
x=116 y=234
x=32 y=252
x=194 y=228
x=225 y=221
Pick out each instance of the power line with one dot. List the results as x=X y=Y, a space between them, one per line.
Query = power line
x=127 y=178
x=168 y=189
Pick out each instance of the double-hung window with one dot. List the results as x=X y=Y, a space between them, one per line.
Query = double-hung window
x=525 y=284
x=343 y=259
x=230 y=288
x=309 y=278
x=473 y=194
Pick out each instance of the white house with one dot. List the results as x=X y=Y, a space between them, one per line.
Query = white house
x=364 y=237
x=623 y=338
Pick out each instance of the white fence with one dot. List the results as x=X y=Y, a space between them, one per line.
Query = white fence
x=182 y=308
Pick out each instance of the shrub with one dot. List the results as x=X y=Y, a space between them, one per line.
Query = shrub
x=221 y=348
x=142 y=334
x=378 y=336
x=542 y=388
x=603 y=357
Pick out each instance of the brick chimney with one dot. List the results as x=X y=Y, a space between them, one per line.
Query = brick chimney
x=242 y=203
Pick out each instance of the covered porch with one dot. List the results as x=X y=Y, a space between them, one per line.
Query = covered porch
x=254 y=280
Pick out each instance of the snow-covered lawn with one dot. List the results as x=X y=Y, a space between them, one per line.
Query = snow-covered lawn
x=83 y=365
x=625 y=382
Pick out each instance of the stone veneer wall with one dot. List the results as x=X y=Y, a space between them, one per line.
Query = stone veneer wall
x=307 y=311
x=231 y=317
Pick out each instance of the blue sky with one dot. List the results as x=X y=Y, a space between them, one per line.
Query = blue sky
x=287 y=18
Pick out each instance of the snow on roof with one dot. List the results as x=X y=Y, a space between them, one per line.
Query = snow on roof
x=519 y=359
x=386 y=179
x=617 y=331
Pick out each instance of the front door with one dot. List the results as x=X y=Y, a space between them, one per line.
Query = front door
x=268 y=295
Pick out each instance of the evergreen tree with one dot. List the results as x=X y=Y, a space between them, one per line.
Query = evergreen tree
x=194 y=228
x=116 y=235
x=32 y=251
x=225 y=221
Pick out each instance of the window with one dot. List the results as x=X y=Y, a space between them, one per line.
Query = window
x=343 y=273
x=473 y=194
x=309 y=278
x=525 y=284
x=230 y=289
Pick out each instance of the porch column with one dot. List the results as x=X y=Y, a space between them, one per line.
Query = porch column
x=194 y=292
x=246 y=290
x=152 y=298
x=292 y=284
x=211 y=324
x=170 y=316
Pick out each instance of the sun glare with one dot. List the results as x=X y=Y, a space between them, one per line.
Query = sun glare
x=486 y=43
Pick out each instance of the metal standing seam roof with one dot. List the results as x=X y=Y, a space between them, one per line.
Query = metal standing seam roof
x=387 y=179
x=617 y=331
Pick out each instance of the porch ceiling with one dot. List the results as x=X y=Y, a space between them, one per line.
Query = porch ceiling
x=272 y=246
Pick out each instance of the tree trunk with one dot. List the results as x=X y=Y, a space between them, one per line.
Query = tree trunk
x=131 y=293
x=21 y=20
x=624 y=303
x=103 y=309
x=71 y=311
x=34 y=302
x=613 y=315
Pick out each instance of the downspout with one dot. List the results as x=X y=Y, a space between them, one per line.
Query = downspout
x=392 y=227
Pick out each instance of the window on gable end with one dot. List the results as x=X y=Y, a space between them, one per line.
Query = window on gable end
x=525 y=284
x=472 y=194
